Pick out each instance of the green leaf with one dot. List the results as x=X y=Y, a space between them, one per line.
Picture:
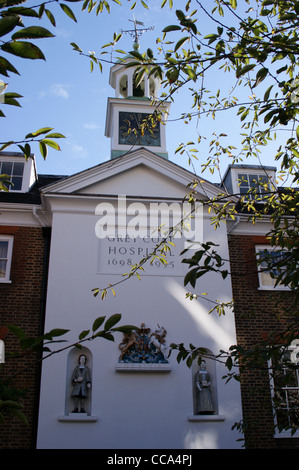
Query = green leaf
x=112 y=321
x=97 y=323
x=32 y=32
x=105 y=335
x=23 y=49
x=83 y=334
x=6 y=144
x=7 y=24
x=55 y=135
x=68 y=11
x=260 y=76
x=244 y=70
x=6 y=66
x=51 y=143
x=267 y=93
x=50 y=17
x=192 y=74
x=137 y=55
x=173 y=27
x=125 y=328
x=180 y=43
x=23 y=11
x=9 y=98
x=191 y=277
x=17 y=331
x=57 y=332
x=25 y=149
x=43 y=130
x=180 y=14
x=43 y=150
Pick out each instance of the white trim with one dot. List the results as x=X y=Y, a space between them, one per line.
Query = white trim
x=271 y=287
x=132 y=367
x=9 y=239
x=114 y=167
x=284 y=433
x=29 y=171
x=202 y=418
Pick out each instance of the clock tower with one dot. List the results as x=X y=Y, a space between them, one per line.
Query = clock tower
x=135 y=116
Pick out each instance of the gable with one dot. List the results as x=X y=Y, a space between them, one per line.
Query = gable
x=140 y=173
x=139 y=181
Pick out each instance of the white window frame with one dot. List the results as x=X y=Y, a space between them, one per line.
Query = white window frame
x=10 y=187
x=9 y=239
x=257 y=192
x=261 y=274
x=294 y=349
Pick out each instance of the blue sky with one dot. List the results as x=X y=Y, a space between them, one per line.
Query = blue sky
x=62 y=93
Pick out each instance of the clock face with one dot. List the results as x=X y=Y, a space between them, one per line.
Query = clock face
x=133 y=131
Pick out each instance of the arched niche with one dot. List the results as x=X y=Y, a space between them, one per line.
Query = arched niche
x=138 y=90
x=152 y=87
x=210 y=367
x=123 y=86
x=72 y=363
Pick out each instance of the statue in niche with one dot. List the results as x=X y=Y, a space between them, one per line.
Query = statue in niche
x=143 y=346
x=82 y=383
x=203 y=384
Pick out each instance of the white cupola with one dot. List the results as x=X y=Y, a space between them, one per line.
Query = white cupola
x=131 y=107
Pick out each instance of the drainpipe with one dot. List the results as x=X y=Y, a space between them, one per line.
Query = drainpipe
x=47 y=237
x=236 y=223
x=37 y=217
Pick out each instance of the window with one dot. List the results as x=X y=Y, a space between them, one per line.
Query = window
x=123 y=86
x=285 y=390
x=14 y=170
x=270 y=266
x=138 y=90
x=5 y=257
x=254 y=186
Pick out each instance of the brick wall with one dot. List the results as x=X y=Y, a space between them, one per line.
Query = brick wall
x=22 y=305
x=257 y=314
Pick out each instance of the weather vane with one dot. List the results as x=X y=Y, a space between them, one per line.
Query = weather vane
x=137 y=32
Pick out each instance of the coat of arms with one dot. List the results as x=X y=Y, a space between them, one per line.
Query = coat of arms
x=144 y=346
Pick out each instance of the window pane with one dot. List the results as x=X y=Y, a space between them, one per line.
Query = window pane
x=3 y=249
x=6 y=168
x=18 y=169
x=286 y=390
x=17 y=183
x=243 y=180
x=2 y=268
x=253 y=181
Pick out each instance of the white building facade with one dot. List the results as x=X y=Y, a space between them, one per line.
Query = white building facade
x=103 y=221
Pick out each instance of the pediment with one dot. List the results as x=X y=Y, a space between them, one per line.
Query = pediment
x=140 y=173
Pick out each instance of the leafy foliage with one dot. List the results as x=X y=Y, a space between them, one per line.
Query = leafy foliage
x=11 y=397
x=255 y=43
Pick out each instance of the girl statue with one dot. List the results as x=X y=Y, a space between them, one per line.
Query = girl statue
x=202 y=382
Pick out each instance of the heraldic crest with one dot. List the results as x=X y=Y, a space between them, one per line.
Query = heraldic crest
x=144 y=346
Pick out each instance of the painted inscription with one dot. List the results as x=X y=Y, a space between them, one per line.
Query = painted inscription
x=118 y=253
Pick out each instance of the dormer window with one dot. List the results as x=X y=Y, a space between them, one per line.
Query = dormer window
x=254 y=186
x=18 y=170
x=14 y=171
x=249 y=182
